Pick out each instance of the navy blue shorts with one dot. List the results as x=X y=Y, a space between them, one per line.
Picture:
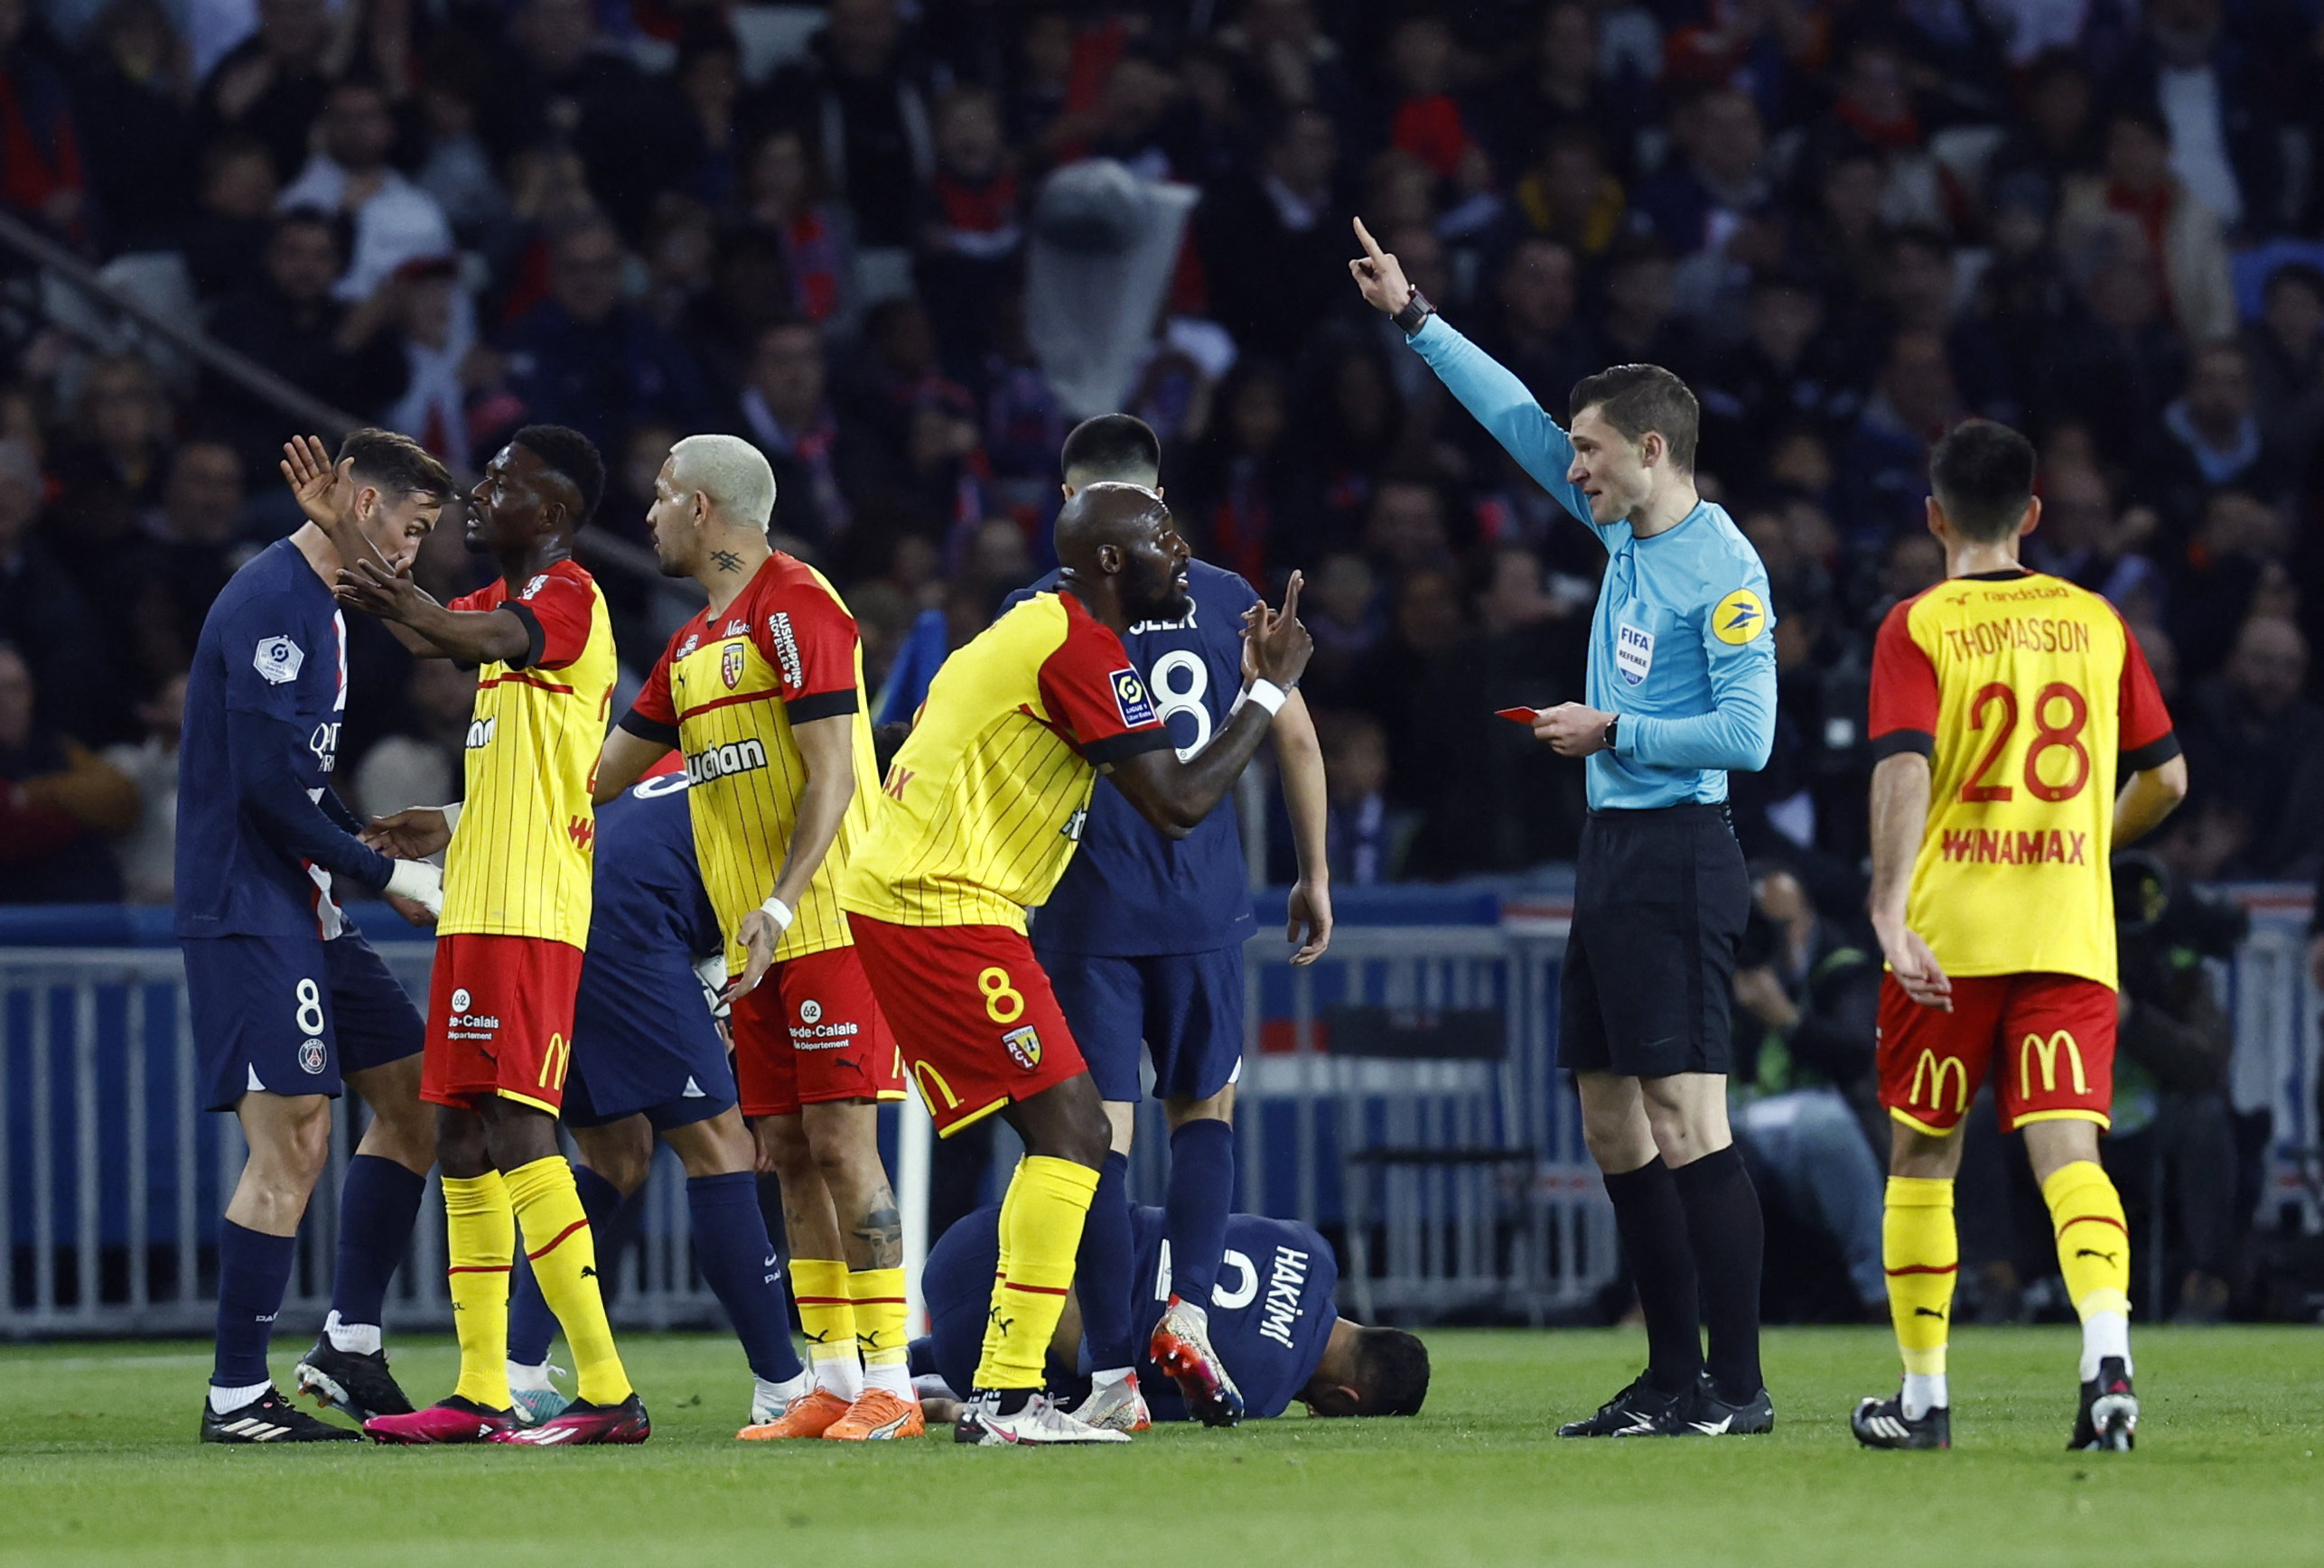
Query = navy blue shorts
x=643 y=1041
x=292 y=1015
x=1186 y=1007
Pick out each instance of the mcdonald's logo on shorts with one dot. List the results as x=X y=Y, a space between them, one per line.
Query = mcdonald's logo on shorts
x=555 y=1060
x=1931 y=1070
x=2034 y=1048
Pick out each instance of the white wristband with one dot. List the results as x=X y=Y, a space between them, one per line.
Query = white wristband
x=451 y=816
x=418 y=880
x=775 y=909
x=1268 y=695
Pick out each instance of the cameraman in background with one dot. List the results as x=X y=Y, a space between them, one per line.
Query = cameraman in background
x=2173 y=1126
x=1807 y=1006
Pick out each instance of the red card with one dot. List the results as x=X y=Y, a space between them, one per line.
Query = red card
x=1528 y=717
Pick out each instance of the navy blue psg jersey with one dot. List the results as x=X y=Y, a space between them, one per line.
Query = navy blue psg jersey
x=647 y=892
x=1270 y=1312
x=275 y=644
x=1129 y=891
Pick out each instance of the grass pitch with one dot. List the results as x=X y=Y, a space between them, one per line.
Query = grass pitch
x=98 y=1465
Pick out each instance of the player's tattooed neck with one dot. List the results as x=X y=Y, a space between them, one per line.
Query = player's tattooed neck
x=728 y=561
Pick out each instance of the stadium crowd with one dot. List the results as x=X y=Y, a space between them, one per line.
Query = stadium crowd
x=1846 y=225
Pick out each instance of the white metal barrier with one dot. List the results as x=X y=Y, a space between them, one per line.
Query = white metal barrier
x=113 y=1180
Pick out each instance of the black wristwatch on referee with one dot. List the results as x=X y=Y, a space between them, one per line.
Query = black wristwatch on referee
x=1611 y=724
x=1416 y=312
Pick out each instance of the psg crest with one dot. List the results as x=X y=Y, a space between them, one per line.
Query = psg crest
x=730 y=668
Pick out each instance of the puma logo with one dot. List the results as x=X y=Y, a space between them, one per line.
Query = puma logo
x=587 y=1272
x=817 y=1336
x=1928 y=1312
x=992 y=1316
x=2112 y=1257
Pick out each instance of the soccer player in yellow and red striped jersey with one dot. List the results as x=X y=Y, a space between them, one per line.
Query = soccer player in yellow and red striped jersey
x=2020 y=737
x=516 y=917
x=763 y=691
x=978 y=816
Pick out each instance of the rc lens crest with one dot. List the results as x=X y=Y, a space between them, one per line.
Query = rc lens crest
x=730 y=665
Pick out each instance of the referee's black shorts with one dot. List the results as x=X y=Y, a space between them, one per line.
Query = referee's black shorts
x=1660 y=899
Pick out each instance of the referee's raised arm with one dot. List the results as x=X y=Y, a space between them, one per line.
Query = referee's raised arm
x=1497 y=399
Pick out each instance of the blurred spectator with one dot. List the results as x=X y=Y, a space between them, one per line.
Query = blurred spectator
x=587 y=358
x=1560 y=98
x=863 y=103
x=42 y=177
x=1272 y=240
x=421 y=766
x=2113 y=363
x=456 y=169
x=2081 y=539
x=2256 y=745
x=1341 y=612
x=443 y=365
x=394 y=220
x=1884 y=469
x=45 y=613
x=130 y=93
x=57 y=803
x=287 y=321
x=147 y=855
x=107 y=464
x=1784 y=374
x=1719 y=185
x=970 y=233
x=2182 y=236
x=2212 y=438
x=817 y=241
x=271 y=85
x=2284 y=349
x=2224 y=147
x=1366 y=840
x=185 y=558
x=1241 y=503
x=1536 y=333
x=1807 y=1001
x=234 y=214
x=1424 y=119
x=783 y=410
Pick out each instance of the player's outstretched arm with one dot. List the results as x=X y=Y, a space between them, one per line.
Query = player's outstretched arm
x=2147 y=797
x=828 y=747
x=623 y=761
x=469 y=635
x=1900 y=791
x=1176 y=796
x=326 y=494
x=1299 y=756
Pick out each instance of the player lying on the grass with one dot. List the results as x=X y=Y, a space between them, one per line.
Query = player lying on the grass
x=2021 y=737
x=649 y=1057
x=978 y=817
x=1142 y=939
x=763 y=692
x=1272 y=1319
x=287 y=1001
x=509 y=943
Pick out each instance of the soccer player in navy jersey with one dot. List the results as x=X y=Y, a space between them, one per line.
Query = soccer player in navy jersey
x=1142 y=940
x=648 y=1058
x=1273 y=1318
x=288 y=1001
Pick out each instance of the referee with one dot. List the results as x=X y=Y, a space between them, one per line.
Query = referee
x=1682 y=687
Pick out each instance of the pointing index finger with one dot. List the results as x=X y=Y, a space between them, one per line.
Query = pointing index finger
x=1371 y=246
x=1290 y=612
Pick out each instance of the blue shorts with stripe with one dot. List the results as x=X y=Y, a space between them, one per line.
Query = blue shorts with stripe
x=1185 y=1008
x=644 y=1042
x=292 y=1015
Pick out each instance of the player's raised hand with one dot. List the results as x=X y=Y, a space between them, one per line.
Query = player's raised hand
x=410 y=835
x=315 y=484
x=1276 y=648
x=1378 y=274
x=1311 y=908
x=1916 y=968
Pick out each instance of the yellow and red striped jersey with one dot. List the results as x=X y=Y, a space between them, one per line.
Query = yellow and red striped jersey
x=726 y=692
x=2029 y=697
x=982 y=808
x=519 y=861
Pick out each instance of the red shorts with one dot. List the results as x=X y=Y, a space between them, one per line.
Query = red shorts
x=811 y=1032
x=2053 y=1036
x=499 y=1020
x=974 y=1013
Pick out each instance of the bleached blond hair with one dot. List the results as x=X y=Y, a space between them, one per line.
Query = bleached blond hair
x=734 y=474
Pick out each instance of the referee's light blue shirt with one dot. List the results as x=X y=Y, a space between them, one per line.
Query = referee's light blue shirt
x=1680 y=643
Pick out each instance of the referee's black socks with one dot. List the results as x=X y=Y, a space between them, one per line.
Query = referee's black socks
x=1730 y=1242
x=1652 y=1219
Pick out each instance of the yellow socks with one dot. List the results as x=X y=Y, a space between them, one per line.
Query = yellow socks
x=1041 y=1230
x=879 y=1299
x=2093 y=1253
x=564 y=1255
x=827 y=1312
x=480 y=1244
x=1921 y=1252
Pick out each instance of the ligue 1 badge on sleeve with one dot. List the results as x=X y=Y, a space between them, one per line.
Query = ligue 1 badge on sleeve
x=278 y=660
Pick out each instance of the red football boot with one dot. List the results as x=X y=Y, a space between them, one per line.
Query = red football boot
x=451 y=1419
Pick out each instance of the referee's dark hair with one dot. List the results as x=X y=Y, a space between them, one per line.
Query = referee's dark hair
x=572 y=454
x=1637 y=399
x=396 y=464
x=1394 y=1368
x=1982 y=474
x=1119 y=448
